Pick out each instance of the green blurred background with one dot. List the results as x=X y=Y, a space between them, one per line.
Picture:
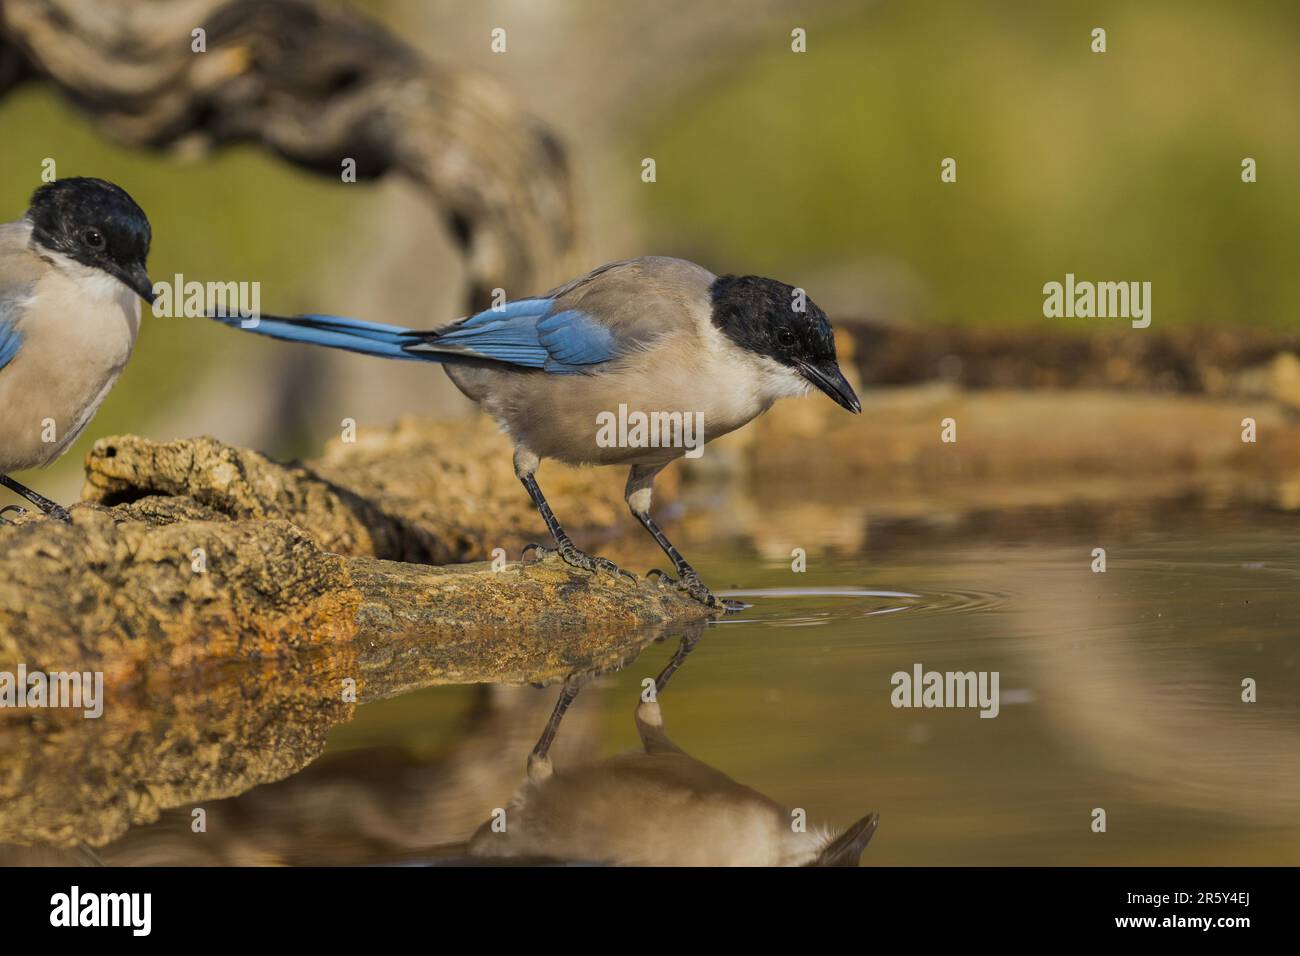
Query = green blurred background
x=1124 y=165
x=819 y=168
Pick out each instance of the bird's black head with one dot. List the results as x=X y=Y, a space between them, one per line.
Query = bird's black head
x=96 y=224
x=764 y=316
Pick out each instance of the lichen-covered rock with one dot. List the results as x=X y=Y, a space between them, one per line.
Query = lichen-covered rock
x=418 y=491
x=125 y=598
x=191 y=552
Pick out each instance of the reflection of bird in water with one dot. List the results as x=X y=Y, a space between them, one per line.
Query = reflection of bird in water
x=654 y=807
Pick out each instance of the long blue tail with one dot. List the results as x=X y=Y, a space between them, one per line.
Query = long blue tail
x=524 y=334
x=337 y=332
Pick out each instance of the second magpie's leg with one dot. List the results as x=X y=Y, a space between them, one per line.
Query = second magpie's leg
x=53 y=509
x=640 y=488
x=525 y=465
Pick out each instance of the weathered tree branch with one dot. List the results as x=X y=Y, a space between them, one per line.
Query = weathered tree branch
x=213 y=553
x=420 y=491
x=316 y=85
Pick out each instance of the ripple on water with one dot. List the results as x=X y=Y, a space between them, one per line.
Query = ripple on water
x=814 y=606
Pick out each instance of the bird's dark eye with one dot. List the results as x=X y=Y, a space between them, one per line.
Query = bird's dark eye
x=785 y=337
x=93 y=239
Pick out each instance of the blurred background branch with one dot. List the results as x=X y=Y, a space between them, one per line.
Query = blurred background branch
x=318 y=86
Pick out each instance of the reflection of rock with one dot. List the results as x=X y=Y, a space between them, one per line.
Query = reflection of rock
x=227 y=728
x=357 y=807
x=65 y=780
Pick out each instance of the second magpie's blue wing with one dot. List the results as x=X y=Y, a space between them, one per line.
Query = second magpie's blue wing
x=11 y=340
x=11 y=337
x=20 y=269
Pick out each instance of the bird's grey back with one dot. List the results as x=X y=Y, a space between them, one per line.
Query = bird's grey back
x=639 y=298
x=659 y=311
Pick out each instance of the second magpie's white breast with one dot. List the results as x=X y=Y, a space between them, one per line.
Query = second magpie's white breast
x=78 y=327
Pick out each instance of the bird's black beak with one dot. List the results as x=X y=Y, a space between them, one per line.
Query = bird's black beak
x=138 y=281
x=829 y=379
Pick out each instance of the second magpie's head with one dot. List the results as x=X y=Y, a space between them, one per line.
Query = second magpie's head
x=779 y=322
x=96 y=224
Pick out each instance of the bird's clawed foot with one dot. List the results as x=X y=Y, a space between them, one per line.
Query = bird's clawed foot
x=59 y=513
x=56 y=512
x=578 y=559
x=690 y=583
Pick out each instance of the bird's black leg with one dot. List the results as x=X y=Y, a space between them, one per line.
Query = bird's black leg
x=539 y=761
x=639 y=485
x=649 y=715
x=688 y=578
x=688 y=642
x=567 y=696
x=566 y=548
x=54 y=510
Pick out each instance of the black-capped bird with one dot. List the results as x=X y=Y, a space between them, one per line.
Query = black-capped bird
x=652 y=340
x=72 y=274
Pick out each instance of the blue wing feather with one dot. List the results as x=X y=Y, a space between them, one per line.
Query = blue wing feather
x=527 y=333
x=11 y=341
x=572 y=338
